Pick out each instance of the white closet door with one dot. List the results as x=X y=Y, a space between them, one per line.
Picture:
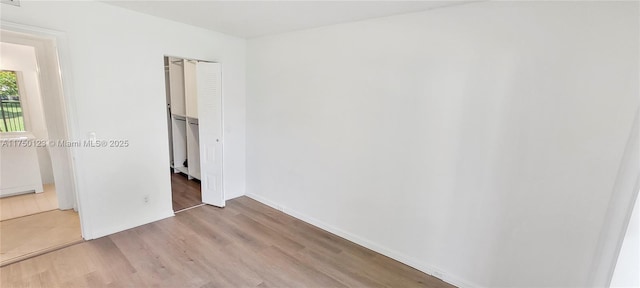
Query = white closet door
x=209 y=81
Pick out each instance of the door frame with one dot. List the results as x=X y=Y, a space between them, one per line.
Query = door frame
x=620 y=208
x=53 y=58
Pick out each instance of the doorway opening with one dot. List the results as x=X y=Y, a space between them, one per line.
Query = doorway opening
x=26 y=162
x=194 y=123
x=37 y=189
x=182 y=121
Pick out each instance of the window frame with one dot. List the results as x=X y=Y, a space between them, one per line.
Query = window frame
x=25 y=109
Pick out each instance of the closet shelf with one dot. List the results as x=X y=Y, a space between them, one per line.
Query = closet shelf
x=184 y=170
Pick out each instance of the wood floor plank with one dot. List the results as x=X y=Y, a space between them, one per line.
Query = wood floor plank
x=287 y=225
x=246 y=244
x=185 y=193
x=199 y=251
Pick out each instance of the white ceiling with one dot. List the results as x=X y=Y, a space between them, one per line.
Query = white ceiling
x=257 y=18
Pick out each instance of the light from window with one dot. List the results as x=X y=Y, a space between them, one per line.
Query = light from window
x=11 y=116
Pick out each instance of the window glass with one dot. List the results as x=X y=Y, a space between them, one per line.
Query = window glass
x=11 y=115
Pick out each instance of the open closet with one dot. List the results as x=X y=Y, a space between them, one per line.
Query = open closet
x=194 y=123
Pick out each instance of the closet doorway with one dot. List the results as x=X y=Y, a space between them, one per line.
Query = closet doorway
x=194 y=124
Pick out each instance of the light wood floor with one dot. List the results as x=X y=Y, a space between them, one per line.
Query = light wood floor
x=27 y=204
x=246 y=244
x=185 y=193
x=24 y=237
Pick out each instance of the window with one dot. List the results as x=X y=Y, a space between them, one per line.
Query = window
x=11 y=115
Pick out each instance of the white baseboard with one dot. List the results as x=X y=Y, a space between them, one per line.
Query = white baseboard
x=105 y=232
x=13 y=191
x=420 y=265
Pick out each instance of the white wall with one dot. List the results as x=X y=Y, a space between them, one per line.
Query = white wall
x=117 y=76
x=626 y=272
x=479 y=142
x=23 y=59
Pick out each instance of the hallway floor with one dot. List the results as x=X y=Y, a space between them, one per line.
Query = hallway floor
x=32 y=235
x=27 y=204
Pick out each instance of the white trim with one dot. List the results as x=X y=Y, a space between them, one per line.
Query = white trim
x=408 y=260
x=222 y=185
x=620 y=208
x=13 y=191
x=189 y=208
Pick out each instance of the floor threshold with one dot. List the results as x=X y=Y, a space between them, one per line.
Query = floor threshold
x=40 y=252
x=185 y=209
